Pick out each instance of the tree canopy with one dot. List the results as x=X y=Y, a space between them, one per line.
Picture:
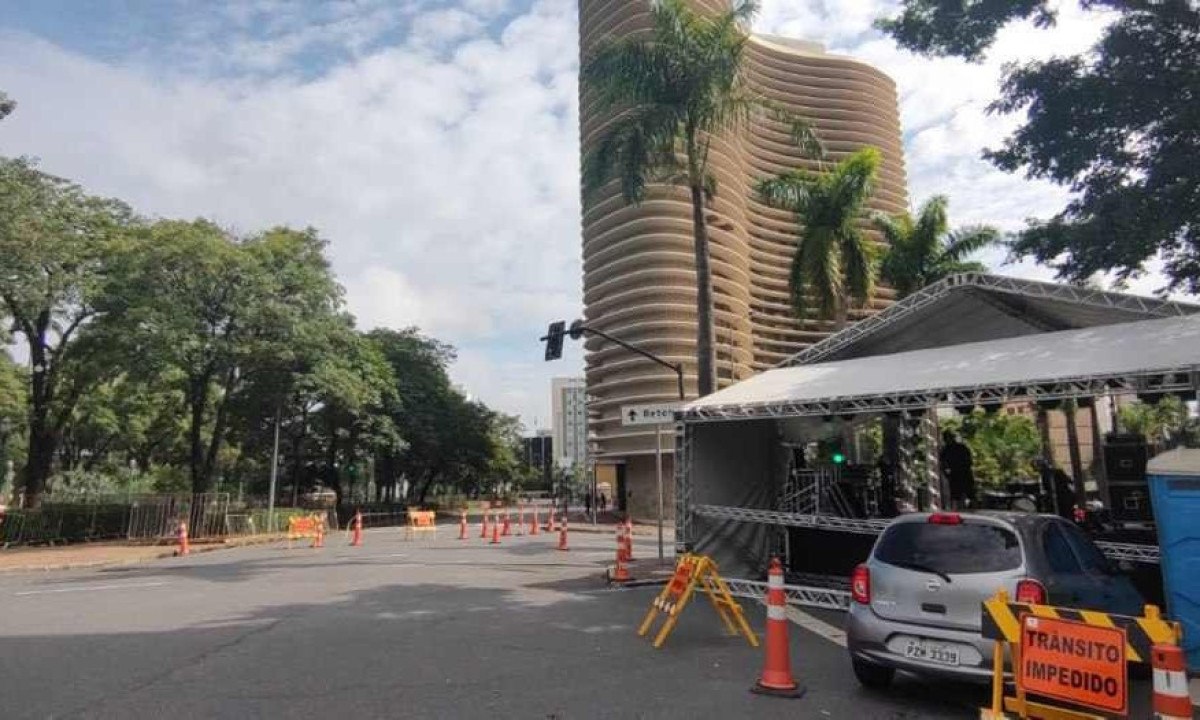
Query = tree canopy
x=1119 y=125
x=923 y=250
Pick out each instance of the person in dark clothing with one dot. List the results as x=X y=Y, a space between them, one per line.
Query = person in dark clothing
x=956 y=466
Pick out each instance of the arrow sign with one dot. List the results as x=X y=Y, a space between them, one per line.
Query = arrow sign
x=657 y=414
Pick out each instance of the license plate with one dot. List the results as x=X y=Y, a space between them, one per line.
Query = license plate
x=932 y=652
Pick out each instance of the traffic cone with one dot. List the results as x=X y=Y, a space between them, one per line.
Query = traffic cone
x=628 y=539
x=550 y=520
x=507 y=530
x=621 y=544
x=319 y=540
x=533 y=525
x=1171 y=699
x=562 y=536
x=357 y=540
x=184 y=547
x=520 y=520
x=621 y=573
x=462 y=526
x=483 y=526
x=777 y=671
x=495 y=530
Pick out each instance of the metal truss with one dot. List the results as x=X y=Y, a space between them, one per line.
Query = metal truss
x=773 y=517
x=826 y=598
x=1150 y=307
x=1149 y=554
x=1164 y=380
x=683 y=487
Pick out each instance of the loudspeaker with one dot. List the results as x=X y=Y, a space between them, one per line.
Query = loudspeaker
x=1130 y=502
x=1125 y=461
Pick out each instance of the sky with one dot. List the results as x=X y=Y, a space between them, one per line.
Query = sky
x=433 y=143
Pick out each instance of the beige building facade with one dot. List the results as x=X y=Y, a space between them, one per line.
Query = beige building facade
x=639 y=272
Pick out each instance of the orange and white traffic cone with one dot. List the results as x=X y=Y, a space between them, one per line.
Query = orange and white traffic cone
x=777 y=671
x=462 y=526
x=357 y=540
x=620 y=543
x=550 y=520
x=628 y=540
x=483 y=526
x=1171 y=699
x=495 y=530
x=533 y=525
x=184 y=547
x=562 y=536
x=620 y=574
x=507 y=529
x=319 y=540
x=520 y=520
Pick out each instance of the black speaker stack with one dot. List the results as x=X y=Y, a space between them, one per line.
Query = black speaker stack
x=1125 y=457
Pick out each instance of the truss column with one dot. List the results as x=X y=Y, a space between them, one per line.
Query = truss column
x=683 y=487
x=933 y=475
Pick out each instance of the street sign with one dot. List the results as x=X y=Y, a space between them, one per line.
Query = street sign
x=1080 y=663
x=658 y=414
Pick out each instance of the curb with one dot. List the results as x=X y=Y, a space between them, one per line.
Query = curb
x=196 y=550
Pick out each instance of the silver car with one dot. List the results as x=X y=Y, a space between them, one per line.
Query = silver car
x=917 y=600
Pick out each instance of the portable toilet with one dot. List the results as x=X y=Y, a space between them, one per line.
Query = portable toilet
x=1174 y=479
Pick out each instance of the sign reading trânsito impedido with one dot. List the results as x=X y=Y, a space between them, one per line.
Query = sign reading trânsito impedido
x=657 y=414
x=1073 y=661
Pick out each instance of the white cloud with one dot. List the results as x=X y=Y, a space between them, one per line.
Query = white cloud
x=446 y=181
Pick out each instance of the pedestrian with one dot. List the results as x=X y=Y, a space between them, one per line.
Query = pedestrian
x=603 y=502
x=587 y=503
x=956 y=466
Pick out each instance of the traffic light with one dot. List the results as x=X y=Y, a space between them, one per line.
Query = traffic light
x=554 y=340
x=576 y=330
x=839 y=459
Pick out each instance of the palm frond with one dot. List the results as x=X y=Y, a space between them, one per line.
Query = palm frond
x=931 y=225
x=630 y=71
x=895 y=229
x=861 y=265
x=852 y=180
x=966 y=241
x=637 y=147
x=790 y=191
x=821 y=273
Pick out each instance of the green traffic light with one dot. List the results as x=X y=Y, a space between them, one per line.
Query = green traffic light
x=838 y=458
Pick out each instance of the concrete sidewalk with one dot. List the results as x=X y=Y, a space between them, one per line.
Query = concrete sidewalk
x=70 y=557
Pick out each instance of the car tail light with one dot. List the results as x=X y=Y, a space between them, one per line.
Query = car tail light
x=946 y=519
x=860 y=585
x=1032 y=592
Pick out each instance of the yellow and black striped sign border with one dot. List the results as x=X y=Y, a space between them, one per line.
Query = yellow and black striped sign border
x=1001 y=621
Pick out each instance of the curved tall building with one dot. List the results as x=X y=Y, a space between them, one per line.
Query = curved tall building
x=639 y=271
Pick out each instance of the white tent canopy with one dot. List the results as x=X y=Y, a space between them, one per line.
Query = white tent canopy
x=1145 y=356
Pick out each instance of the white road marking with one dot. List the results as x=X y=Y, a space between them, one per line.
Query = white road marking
x=832 y=633
x=91 y=588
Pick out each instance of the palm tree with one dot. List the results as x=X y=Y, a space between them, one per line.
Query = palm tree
x=924 y=250
x=835 y=263
x=675 y=89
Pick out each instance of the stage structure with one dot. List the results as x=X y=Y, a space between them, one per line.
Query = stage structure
x=968 y=341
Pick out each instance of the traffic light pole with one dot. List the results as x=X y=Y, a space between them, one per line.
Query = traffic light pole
x=677 y=368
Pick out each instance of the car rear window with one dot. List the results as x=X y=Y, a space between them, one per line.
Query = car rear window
x=950 y=549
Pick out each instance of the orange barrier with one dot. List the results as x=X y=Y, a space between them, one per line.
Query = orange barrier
x=776 y=676
x=483 y=525
x=420 y=521
x=302 y=527
x=562 y=535
x=507 y=530
x=495 y=531
x=533 y=526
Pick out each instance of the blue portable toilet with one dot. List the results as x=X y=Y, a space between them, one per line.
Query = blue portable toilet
x=1174 y=479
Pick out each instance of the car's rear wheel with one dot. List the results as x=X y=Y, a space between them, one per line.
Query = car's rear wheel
x=870 y=675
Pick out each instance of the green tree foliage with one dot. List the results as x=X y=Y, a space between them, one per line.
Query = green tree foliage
x=1003 y=447
x=55 y=253
x=835 y=263
x=7 y=105
x=1161 y=422
x=923 y=250
x=1118 y=124
x=673 y=91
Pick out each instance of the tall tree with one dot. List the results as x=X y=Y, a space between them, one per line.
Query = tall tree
x=672 y=92
x=1118 y=124
x=835 y=262
x=923 y=250
x=56 y=249
x=7 y=105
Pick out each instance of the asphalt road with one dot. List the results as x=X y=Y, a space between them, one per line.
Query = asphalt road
x=424 y=629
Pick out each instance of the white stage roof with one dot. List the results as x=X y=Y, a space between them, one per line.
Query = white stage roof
x=1146 y=356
